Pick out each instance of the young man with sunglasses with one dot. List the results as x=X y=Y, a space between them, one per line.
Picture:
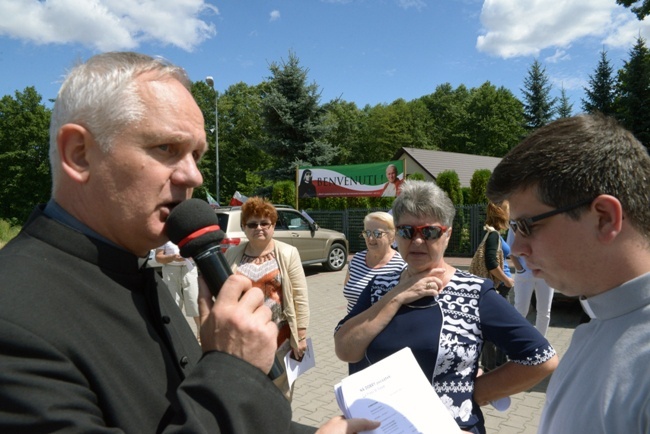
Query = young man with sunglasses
x=579 y=193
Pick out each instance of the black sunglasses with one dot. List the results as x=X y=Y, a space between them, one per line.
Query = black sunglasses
x=525 y=225
x=376 y=233
x=262 y=225
x=427 y=232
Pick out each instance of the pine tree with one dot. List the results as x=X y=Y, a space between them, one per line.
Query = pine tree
x=565 y=108
x=633 y=102
x=601 y=90
x=294 y=122
x=641 y=10
x=539 y=107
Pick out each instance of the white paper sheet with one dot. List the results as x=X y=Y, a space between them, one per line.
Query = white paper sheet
x=395 y=392
x=297 y=368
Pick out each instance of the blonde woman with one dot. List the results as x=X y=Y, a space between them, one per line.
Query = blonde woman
x=378 y=258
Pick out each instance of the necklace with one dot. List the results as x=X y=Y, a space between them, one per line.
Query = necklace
x=264 y=251
x=430 y=302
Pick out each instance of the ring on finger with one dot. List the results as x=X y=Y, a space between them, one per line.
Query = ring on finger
x=429 y=285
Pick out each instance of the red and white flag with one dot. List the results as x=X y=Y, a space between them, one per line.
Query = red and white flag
x=238 y=199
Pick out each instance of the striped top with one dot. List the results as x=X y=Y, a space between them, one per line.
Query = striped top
x=361 y=274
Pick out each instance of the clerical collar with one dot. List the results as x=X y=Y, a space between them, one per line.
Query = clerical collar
x=54 y=211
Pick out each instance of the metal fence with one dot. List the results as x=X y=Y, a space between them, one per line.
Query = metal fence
x=466 y=235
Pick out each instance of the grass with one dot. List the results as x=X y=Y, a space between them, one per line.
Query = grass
x=7 y=232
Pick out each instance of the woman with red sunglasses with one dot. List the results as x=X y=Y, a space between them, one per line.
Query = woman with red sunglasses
x=443 y=315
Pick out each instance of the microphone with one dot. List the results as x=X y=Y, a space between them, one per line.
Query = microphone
x=194 y=228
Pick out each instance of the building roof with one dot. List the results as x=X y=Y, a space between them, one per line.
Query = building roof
x=434 y=162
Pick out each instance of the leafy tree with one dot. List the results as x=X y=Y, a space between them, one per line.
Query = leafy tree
x=388 y=128
x=447 y=109
x=641 y=11
x=448 y=181
x=494 y=122
x=478 y=185
x=634 y=92
x=539 y=107
x=24 y=149
x=294 y=122
x=240 y=131
x=205 y=98
x=346 y=123
x=565 y=108
x=417 y=176
x=601 y=91
x=284 y=192
x=467 y=194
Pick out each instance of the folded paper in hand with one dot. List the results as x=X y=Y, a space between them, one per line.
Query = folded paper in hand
x=296 y=368
x=395 y=392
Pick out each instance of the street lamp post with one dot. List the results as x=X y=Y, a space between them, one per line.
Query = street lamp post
x=210 y=82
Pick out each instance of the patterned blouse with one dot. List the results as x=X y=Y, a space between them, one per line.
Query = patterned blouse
x=265 y=274
x=446 y=336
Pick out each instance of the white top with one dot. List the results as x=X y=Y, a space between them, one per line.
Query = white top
x=170 y=248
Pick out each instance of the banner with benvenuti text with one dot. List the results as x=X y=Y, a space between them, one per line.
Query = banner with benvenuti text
x=369 y=180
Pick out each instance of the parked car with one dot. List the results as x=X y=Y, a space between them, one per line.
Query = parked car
x=316 y=245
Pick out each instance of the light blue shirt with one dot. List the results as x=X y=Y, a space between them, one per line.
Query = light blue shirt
x=602 y=383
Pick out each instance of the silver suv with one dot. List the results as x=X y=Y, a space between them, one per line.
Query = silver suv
x=315 y=244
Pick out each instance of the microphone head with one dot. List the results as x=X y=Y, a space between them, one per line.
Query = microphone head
x=193 y=226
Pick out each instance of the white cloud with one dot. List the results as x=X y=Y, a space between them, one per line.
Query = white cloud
x=558 y=56
x=274 y=15
x=524 y=28
x=568 y=82
x=406 y=4
x=108 y=24
x=624 y=31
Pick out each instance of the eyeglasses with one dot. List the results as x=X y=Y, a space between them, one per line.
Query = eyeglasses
x=427 y=232
x=525 y=225
x=262 y=225
x=376 y=233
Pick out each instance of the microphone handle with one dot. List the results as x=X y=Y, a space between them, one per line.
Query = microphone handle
x=214 y=268
x=215 y=271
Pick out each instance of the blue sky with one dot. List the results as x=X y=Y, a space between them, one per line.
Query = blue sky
x=364 y=51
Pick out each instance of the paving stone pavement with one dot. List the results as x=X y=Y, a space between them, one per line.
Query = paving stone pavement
x=313 y=398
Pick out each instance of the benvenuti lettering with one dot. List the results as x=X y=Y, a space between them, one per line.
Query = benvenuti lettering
x=343 y=180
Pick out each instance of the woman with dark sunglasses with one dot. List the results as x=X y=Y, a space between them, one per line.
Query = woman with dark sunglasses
x=276 y=268
x=443 y=315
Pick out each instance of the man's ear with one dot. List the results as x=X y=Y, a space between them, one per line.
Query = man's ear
x=610 y=217
x=73 y=142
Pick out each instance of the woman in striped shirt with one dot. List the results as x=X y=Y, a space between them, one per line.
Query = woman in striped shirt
x=379 y=258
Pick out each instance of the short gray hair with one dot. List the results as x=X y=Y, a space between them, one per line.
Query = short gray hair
x=425 y=200
x=102 y=96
